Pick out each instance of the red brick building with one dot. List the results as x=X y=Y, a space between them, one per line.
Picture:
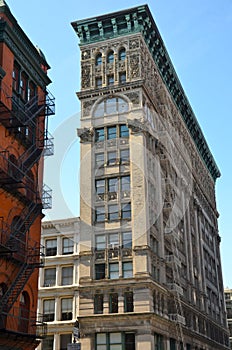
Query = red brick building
x=25 y=104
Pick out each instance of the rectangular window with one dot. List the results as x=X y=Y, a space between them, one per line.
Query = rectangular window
x=113 y=240
x=115 y=341
x=100 y=242
x=126 y=211
x=122 y=77
x=127 y=240
x=65 y=339
x=100 y=186
x=100 y=214
x=124 y=156
x=98 y=82
x=128 y=302
x=15 y=76
x=99 y=134
x=49 y=310
x=113 y=303
x=113 y=271
x=111 y=158
x=110 y=80
x=23 y=86
x=98 y=303
x=127 y=269
x=100 y=271
x=113 y=212
x=172 y=344
x=111 y=132
x=49 y=277
x=47 y=343
x=66 y=309
x=68 y=246
x=101 y=342
x=67 y=276
x=99 y=160
x=123 y=131
x=129 y=341
x=113 y=184
x=125 y=183
x=51 y=247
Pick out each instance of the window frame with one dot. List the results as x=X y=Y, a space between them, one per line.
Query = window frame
x=110 y=57
x=113 y=273
x=49 y=282
x=49 y=312
x=69 y=247
x=98 y=303
x=53 y=249
x=69 y=276
x=128 y=301
x=100 y=273
x=66 y=311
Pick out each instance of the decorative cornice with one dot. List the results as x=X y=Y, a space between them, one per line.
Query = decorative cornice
x=140 y=20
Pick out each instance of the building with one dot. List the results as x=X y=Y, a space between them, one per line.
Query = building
x=228 y=299
x=58 y=282
x=149 y=261
x=25 y=104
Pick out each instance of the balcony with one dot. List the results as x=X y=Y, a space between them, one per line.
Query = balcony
x=177 y=318
x=175 y=288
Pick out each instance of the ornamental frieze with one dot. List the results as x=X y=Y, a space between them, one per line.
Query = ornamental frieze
x=85 y=55
x=134 y=66
x=85 y=76
x=134 y=97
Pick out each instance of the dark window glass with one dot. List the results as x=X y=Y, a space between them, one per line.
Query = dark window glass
x=47 y=343
x=126 y=211
x=124 y=156
x=111 y=132
x=113 y=212
x=66 y=309
x=110 y=80
x=125 y=183
x=111 y=158
x=98 y=82
x=49 y=277
x=100 y=186
x=127 y=269
x=122 y=54
x=122 y=77
x=99 y=271
x=100 y=214
x=67 y=276
x=65 y=339
x=123 y=131
x=127 y=240
x=114 y=303
x=49 y=310
x=98 y=304
x=110 y=57
x=99 y=159
x=98 y=60
x=99 y=135
x=68 y=246
x=113 y=184
x=129 y=341
x=128 y=302
x=51 y=247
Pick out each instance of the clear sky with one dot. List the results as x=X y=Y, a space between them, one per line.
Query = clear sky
x=197 y=35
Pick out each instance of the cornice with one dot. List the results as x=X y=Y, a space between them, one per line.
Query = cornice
x=139 y=20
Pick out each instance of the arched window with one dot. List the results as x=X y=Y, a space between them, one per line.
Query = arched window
x=24 y=313
x=98 y=59
x=122 y=54
x=110 y=106
x=110 y=57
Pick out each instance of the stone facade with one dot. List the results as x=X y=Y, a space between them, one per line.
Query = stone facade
x=149 y=263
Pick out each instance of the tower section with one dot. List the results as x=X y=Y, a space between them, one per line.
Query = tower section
x=147 y=206
x=25 y=104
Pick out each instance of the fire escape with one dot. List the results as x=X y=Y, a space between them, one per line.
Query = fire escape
x=27 y=123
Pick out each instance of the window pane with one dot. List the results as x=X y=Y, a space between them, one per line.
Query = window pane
x=127 y=240
x=113 y=212
x=67 y=276
x=49 y=277
x=111 y=132
x=99 y=159
x=68 y=245
x=122 y=77
x=49 y=310
x=113 y=184
x=99 y=135
x=99 y=271
x=101 y=338
x=128 y=302
x=98 y=304
x=130 y=341
x=113 y=303
x=98 y=59
x=111 y=158
x=100 y=186
x=100 y=214
x=51 y=247
x=125 y=183
x=111 y=105
x=65 y=339
x=115 y=338
x=122 y=54
x=66 y=309
x=110 y=57
x=122 y=106
x=126 y=211
x=47 y=343
x=113 y=271
x=124 y=131
x=100 y=242
x=113 y=240
x=98 y=84
x=99 y=111
x=124 y=156
x=110 y=80
x=127 y=269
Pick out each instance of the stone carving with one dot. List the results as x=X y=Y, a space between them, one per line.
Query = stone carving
x=134 y=44
x=134 y=66
x=86 y=135
x=86 y=108
x=86 y=54
x=134 y=97
x=85 y=76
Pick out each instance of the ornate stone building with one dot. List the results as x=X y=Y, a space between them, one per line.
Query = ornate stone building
x=149 y=263
x=228 y=299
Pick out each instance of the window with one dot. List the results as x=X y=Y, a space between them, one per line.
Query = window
x=126 y=211
x=15 y=76
x=100 y=271
x=49 y=277
x=127 y=240
x=111 y=105
x=99 y=134
x=49 y=310
x=100 y=186
x=23 y=86
x=98 y=303
x=100 y=214
x=67 y=276
x=100 y=242
x=124 y=156
x=113 y=271
x=68 y=246
x=99 y=160
x=127 y=269
x=123 y=131
x=99 y=82
x=65 y=339
x=98 y=60
x=113 y=184
x=51 y=247
x=125 y=183
x=113 y=240
x=110 y=80
x=115 y=341
x=111 y=158
x=158 y=339
x=66 y=309
x=122 y=54
x=47 y=343
x=122 y=77
x=110 y=57
x=128 y=302
x=111 y=132
x=113 y=303
x=172 y=344
x=113 y=212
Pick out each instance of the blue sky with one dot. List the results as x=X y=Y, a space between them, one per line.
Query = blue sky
x=197 y=35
